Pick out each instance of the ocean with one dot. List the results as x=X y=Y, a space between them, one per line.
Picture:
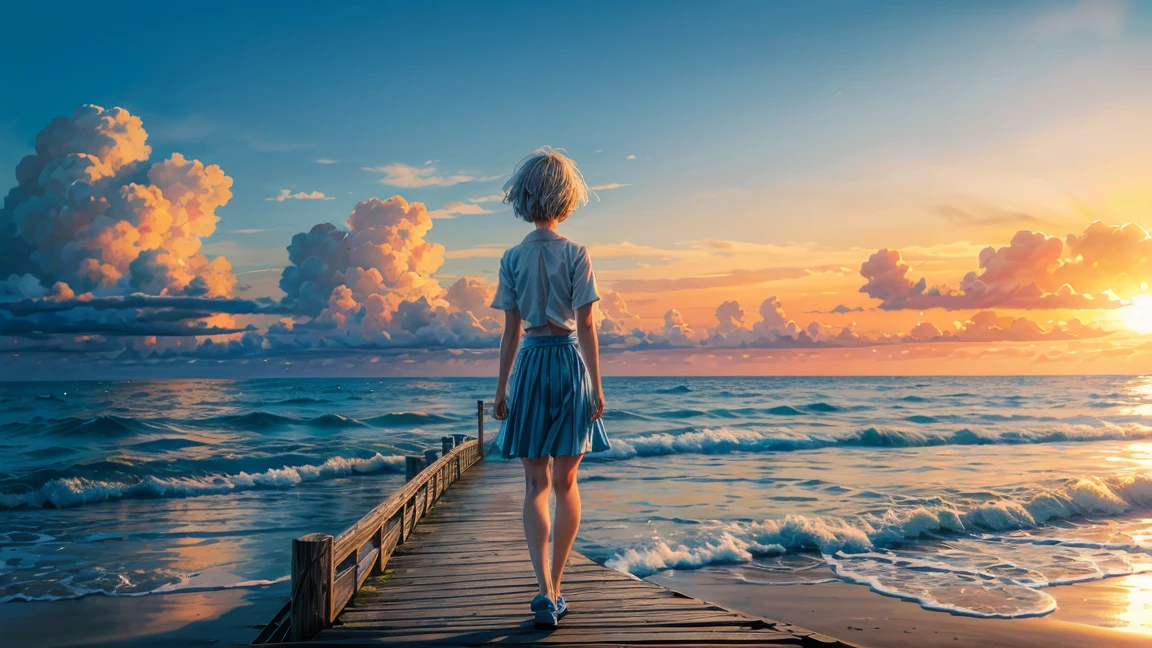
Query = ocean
x=967 y=495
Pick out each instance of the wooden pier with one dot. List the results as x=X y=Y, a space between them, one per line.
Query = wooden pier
x=463 y=578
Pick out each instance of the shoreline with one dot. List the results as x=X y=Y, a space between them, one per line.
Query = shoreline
x=861 y=616
x=853 y=613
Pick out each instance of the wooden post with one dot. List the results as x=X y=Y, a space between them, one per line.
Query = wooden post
x=458 y=439
x=430 y=456
x=412 y=467
x=480 y=426
x=447 y=444
x=311 y=585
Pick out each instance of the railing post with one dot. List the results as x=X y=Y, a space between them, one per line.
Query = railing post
x=480 y=426
x=412 y=467
x=311 y=585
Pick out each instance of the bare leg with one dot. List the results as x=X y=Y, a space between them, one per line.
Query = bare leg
x=537 y=480
x=567 y=515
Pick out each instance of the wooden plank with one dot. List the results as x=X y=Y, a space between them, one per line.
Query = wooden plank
x=365 y=566
x=462 y=577
x=571 y=621
x=388 y=541
x=343 y=587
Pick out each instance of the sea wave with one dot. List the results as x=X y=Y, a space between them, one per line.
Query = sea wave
x=99 y=582
x=739 y=542
x=112 y=427
x=105 y=426
x=723 y=440
x=410 y=418
x=77 y=491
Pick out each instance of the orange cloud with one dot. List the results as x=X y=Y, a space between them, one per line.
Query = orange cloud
x=83 y=219
x=1084 y=271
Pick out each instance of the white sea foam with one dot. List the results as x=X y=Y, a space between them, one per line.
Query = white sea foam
x=124 y=585
x=722 y=440
x=1088 y=496
x=936 y=587
x=76 y=491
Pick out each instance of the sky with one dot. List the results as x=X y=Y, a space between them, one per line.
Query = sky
x=781 y=188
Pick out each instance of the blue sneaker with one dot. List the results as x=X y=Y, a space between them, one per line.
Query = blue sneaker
x=561 y=607
x=545 y=610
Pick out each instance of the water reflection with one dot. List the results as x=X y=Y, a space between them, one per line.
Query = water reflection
x=1139 y=389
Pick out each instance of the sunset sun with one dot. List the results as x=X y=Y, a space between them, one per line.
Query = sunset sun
x=1138 y=316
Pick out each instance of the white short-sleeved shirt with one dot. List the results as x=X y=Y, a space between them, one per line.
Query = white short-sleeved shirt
x=547 y=277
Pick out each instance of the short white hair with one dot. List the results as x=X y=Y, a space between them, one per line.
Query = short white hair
x=546 y=186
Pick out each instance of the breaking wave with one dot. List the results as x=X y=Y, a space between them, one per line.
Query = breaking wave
x=723 y=440
x=979 y=550
x=77 y=491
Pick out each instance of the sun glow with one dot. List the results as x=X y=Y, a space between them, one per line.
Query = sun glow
x=1138 y=316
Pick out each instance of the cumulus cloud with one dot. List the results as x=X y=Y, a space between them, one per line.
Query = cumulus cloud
x=618 y=326
x=372 y=284
x=1033 y=271
x=101 y=252
x=676 y=332
x=988 y=326
x=775 y=329
x=89 y=213
x=286 y=194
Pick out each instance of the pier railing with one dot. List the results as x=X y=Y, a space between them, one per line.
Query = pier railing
x=327 y=571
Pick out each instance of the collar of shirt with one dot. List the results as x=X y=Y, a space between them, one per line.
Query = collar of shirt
x=542 y=234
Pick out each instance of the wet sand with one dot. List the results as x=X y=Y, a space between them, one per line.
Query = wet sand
x=1088 y=614
x=213 y=618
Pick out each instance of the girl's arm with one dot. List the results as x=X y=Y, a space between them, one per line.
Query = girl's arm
x=508 y=343
x=590 y=349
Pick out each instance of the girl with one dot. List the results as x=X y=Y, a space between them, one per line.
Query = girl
x=552 y=414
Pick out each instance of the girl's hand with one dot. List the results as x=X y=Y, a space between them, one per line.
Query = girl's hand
x=500 y=408
x=599 y=405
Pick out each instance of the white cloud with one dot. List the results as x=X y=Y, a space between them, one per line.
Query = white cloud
x=325 y=161
x=286 y=194
x=611 y=185
x=484 y=199
x=458 y=208
x=630 y=157
x=399 y=174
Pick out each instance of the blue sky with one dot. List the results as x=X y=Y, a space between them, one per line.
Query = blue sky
x=707 y=96
x=759 y=122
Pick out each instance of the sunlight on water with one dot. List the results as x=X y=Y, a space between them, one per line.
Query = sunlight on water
x=1140 y=388
x=970 y=495
x=1137 y=616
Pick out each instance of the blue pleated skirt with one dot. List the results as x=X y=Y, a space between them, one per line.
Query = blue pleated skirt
x=550 y=402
